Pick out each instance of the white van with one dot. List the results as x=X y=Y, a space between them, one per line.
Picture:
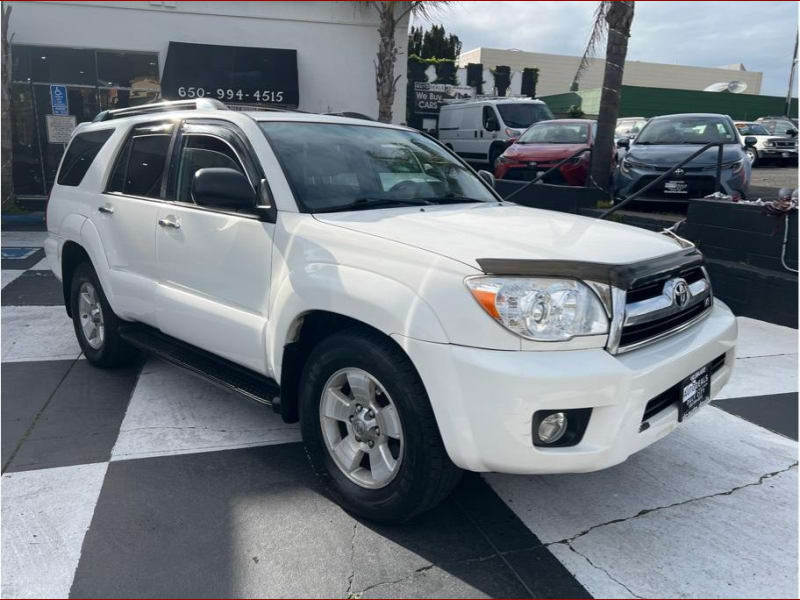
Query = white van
x=477 y=130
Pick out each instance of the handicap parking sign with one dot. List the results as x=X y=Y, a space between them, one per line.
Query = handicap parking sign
x=58 y=99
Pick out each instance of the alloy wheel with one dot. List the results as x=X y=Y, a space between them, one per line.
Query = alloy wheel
x=91 y=315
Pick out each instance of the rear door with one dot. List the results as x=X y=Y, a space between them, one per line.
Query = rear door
x=214 y=264
x=125 y=217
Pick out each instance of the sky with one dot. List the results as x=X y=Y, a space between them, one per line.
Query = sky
x=705 y=34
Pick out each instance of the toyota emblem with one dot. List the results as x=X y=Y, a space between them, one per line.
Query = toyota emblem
x=680 y=293
x=679 y=172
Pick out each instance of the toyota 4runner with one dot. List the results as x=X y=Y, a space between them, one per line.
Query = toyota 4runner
x=362 y=279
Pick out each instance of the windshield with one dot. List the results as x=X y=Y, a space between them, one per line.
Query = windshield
x=629 y=127
x=351 y=167
x=687 y=130
x=553 y=132
x=751 y=129
x=522 y=116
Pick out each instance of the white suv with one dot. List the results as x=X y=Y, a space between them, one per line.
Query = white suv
x=361 y=278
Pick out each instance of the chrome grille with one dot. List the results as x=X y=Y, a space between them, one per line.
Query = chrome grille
x=785 y=144
x=658 y=308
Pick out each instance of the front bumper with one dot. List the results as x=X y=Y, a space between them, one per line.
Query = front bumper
x=773 y=152
x=700 y=184
x=484 y=400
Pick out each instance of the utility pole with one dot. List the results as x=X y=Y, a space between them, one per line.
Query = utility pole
x=791 y=78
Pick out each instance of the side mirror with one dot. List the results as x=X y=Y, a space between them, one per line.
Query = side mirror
x=623 y=142
x=487 y=177
x=220 y=187
x=750 y=141
x=791 y=132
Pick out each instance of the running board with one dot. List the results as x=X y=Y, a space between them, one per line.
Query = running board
x=211 y=367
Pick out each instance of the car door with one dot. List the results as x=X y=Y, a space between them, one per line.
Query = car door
x=490 y=125
x=214 y=264
x=126 y=215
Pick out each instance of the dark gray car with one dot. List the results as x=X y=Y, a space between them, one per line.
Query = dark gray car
x=665 y=141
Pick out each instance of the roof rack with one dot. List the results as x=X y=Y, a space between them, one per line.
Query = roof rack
x=157 y=107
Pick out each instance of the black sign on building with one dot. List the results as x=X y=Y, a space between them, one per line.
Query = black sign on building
x=231 y=74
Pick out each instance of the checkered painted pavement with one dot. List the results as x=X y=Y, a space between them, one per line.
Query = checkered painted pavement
x=148 y=482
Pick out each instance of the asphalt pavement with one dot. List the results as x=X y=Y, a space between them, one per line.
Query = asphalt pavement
x=148 y=482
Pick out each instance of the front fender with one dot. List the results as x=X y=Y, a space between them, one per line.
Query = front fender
x=376 y=300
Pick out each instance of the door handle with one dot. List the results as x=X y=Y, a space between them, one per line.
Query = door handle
x=107 y=209
x=170 y=221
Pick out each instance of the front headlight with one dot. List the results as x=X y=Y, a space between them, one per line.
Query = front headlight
x=541 y=309
x=735 y=166
x=504 y=160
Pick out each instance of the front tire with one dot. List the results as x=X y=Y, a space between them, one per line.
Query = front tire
x=752 y=154
x=369 y=429
x=96 y=325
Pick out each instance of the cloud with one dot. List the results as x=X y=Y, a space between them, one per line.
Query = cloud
x=758 y=34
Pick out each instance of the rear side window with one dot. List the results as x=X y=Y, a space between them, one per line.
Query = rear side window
x=80 y=154
x=140 y=167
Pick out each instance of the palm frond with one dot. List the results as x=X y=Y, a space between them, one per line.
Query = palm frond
x=596 y=38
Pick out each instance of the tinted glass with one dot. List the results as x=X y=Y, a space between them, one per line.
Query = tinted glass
x=127 y=69
x=20 y=63
x=751 y=129
x=148 y=154
x=80 y=154
x=200 y=152
x=552 y=132
x=26 y=158
x=687 y=130
x=118 y=98
x=62 y=65
x=523 y=115
x=332 y=166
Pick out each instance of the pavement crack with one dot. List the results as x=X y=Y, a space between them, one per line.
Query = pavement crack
x=393 y=581
x=647 y=511
x=348 y=593
x=604 y=571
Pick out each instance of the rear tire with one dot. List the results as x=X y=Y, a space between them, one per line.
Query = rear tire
x=96 y=325
x=419 y=474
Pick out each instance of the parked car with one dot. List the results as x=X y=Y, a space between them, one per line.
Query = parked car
x=543 y=145
x=667 y=140
x=479 y=130
x=629 y=127
x=360 y=278
x=783 y=126
x=767 y=146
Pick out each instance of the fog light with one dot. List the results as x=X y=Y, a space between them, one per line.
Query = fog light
x=552 y=428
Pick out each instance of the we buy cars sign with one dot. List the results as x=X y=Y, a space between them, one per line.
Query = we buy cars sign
x=429 y=97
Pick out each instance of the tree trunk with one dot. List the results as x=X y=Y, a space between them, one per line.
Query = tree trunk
x=385 y=80
x=619 y=18
x=6 y=181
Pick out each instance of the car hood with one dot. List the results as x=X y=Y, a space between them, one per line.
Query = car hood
x=667 y=155
x=528 y=152
x=467 y=232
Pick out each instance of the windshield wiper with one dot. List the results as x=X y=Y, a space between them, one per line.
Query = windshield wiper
x=376 y=202
x=449 y=199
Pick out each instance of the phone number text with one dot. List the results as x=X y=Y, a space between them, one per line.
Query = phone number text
x=231 y=94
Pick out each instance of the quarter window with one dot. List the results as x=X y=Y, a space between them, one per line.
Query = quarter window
x=200 y=152
x=80 y=154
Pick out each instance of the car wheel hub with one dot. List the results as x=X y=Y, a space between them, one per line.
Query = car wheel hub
x=90 y=312
x=361 y=428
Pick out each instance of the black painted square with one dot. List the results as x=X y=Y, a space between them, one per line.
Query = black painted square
x=34 y=288
x=776 y=412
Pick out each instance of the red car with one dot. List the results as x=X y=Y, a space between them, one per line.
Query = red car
x=545 y=143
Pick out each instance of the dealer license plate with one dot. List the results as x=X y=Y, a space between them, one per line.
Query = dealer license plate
x=676 y=187
x=695 y=392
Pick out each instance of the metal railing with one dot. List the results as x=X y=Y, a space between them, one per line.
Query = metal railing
x=550 y=170
x=670 y=171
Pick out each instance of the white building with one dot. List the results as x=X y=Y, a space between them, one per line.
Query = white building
x=556 y=71
x=315 y=56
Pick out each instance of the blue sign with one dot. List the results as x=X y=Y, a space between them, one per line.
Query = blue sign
x=58 y=99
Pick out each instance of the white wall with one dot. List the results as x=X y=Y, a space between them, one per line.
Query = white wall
x=336 y=42
x=556 y=71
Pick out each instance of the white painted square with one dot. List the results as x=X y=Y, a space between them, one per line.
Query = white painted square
x=37 y=333
x=174 y=412
x=761 y=376
x=42 y=265
x=23 y=238
x=759 y=338
x=46 y=514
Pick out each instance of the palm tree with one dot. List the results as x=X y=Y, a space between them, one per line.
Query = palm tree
x=612 y=20
x=6 y=169
x=389 y=15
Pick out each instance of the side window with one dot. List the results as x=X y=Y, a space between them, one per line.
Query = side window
x=81 y=152
x=140 y=165
x=490 y=122
x=200 y=152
